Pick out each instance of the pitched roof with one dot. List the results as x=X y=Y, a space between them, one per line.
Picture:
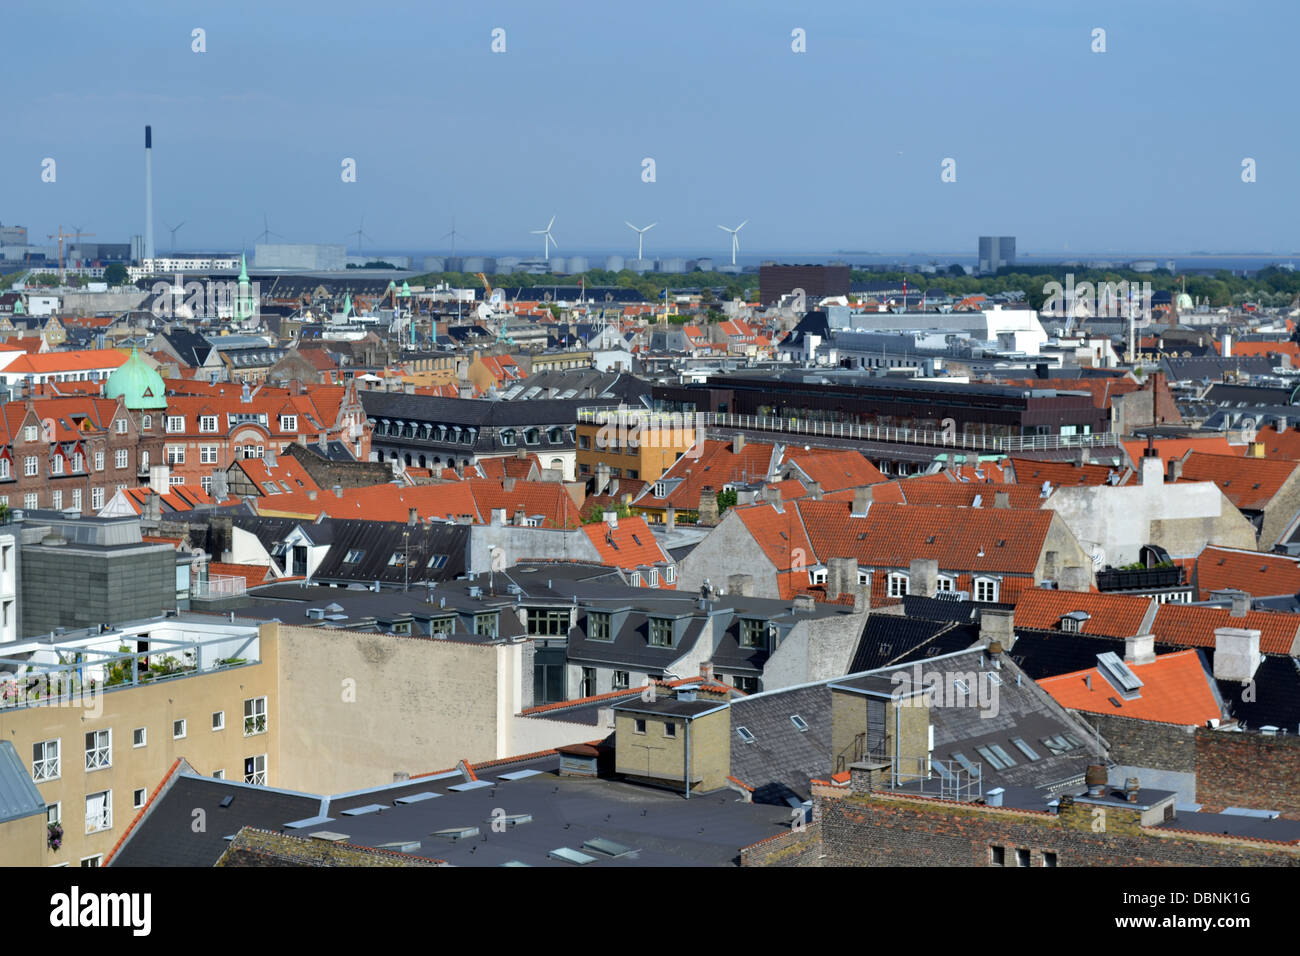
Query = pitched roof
x=834 y=470
x=629 y=546
x=1249 y=483
x=1169 y=448
x=926 y=490
x=1110 y=615
x=1258 y=574
x=1176 y=689
x=1276 y=444
x=1193 y=626
x=1066 y=474
x=47 y=363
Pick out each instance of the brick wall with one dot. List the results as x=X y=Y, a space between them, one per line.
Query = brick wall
x=349 y=474
x=1248 y=769
x=792 y=848
x=877 y=830
x=1146 y=743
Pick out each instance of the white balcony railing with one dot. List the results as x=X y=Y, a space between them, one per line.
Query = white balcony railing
x=47 y=769
x=98 y=758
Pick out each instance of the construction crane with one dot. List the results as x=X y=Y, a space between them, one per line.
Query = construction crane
x=61 y=235
x=486 y=285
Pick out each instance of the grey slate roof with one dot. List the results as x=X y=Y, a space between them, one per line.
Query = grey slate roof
x=19 y=796
x=782 y=758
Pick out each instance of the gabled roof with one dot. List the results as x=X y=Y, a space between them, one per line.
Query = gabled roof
x=629 y=546
x=834 y=470
x=1258 y=574
x=1176 y=689
x=1189 y=625
x=1109 y=615
x=1249 y=483
x=1067 y=474
x=933 y=490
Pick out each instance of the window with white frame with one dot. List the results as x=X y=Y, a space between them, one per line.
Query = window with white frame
x=29 y=433
x=218 y=775
x=255 y=770
x=206 y=482
x=76 y=498
x=897 y=584
x=119 y=458
x=174 y=480
x=54 y=812
x=176 y=423
x=137 y=798
x=56 y=500
x=943 y=583
x=99 y=749
x=99 y=461
x=121 y=426
x=30 y=501
x=139 y=737
x=207 y=454
x=91 y=861
x=288 y=423
x=218 y=720
x=175 y=454
x=986 y=589
x=96 y=498
x=4 y=468
x=254 y=716
x=670 y=573
x=207 y=423
x=99 y=813
x=178 y=729
x=56 y=464
x=652 y=578
x=31 y=466
x=45 y=760
x=146 y=422
x=78 y=462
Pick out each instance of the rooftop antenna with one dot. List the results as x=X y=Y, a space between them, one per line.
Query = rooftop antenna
x=640 y=234
x=547 y=241
x=735 y=239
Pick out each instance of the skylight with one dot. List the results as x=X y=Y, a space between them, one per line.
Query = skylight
x=800 y=724
x=1025 y=749
x=745 y=735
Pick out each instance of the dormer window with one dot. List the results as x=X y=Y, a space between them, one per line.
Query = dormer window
x=661 y=632
x=661 y=490
x=944 y=583
x=288 y=423
x=986 y=589
x=753 y=633
x=486 y=624
x=898 y=584
x=146 y=422
x=207 y=423
x=598 y=626
x=175 y=423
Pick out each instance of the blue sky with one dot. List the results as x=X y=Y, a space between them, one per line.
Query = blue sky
x=1135 y=149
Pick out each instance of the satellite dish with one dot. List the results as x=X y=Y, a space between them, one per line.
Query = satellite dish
x=1098 y=557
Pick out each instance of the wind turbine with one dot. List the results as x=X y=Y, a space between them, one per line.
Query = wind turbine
x=173 y=230
x=548 y=241
x=266 y=230
x=640 y=233
x=735 y=239
x=360 y=234
x=453 y=235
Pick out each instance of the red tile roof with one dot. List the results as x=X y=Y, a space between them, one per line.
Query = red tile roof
x=1249 y=483
x=1168 y=448
x=1193 y=626
x=1175 y=690
x=1066 y=474
x=927 y=491
x=835 y=470
x=1258 y=574
x=253 y=574
x=629 y=546
x=1111 y=615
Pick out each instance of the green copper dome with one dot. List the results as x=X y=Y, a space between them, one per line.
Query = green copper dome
x=135 y=382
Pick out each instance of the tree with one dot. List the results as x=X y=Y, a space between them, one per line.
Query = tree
x=726 y=499
x=115 y=274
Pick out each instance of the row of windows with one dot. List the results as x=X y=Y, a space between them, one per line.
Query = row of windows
x=209 y=423
x=31 y=500
x=1019 y=856
x=986 y=589
x=46 y=756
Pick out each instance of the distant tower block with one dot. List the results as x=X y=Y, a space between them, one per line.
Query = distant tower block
x=148 y=192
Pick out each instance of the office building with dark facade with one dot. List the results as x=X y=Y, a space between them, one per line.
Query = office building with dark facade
x=816 y=282
x=853 y=398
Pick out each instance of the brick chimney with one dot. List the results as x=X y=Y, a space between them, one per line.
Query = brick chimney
x=998 y=625
x=861 y=501
x=1001 y=499
x=841 y=577
x=1140 y=649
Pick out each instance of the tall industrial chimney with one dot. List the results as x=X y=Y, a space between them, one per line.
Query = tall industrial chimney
x=148 y=192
